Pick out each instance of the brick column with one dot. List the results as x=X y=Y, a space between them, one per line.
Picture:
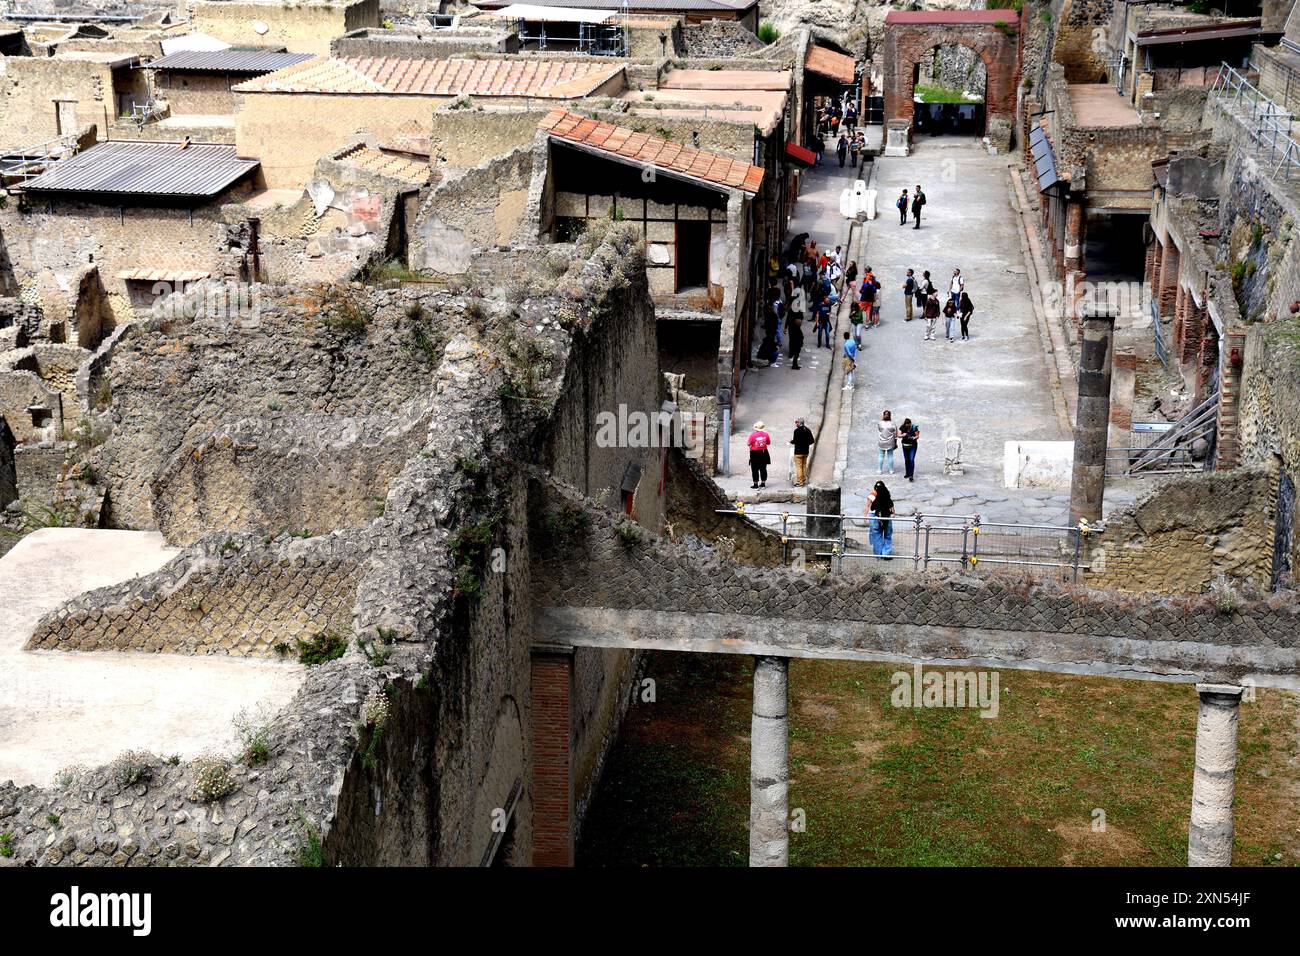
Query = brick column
x=1209 y=837
x=1168 y=287
x=1151 y=264
x=1180 y=322
x=1123 y=387
x=552 y=776
x=1228 y=442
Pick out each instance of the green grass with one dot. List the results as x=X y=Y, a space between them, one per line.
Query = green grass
x=939 y=94
x=885 y=786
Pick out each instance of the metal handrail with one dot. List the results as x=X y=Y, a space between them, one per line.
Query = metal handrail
x=1269 y=125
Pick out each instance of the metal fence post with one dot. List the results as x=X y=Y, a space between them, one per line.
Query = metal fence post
x=965 y=538
x=841 y=545
x=916 y=544
x=975 y=542
x=785 y=518
x=926 y=565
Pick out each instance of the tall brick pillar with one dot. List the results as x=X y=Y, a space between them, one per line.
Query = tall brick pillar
x=1092 y=418
x=552 y=710
x=1123 y=387
x=1168 y=287
x=1151 y=263
x=1228 y=442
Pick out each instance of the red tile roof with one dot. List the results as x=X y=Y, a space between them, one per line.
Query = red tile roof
x=424 y=77
x=650 y=150
x=951 y=16
x=828 y=63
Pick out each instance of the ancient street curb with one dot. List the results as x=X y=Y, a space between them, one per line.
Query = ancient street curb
x=820 y=407
x=846 y=395
x=1053 y=341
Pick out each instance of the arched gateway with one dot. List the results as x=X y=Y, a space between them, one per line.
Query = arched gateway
x=994 y=35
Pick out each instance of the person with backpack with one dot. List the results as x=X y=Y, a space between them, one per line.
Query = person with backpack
x=855 y=149
x=918 y=200
x=924 y=289
x=855 y=320
x=956 y=287
x=880 y=509
x=909 y=293
x=842 y=149
x=967 y=309
x=901 y=205
x=850 y=359
x=867 y=296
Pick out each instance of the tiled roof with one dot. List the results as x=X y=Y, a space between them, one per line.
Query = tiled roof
x=394 y=167
x=425 y=77
x=635 y=6
x=951 y=17
x=163 y=275
x=830 y=64
x=642 y=148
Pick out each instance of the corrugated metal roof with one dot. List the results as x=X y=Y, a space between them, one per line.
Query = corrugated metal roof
x=139 y=168
x=427 y=77
x=642 y=148
x=228 y=61
x=541 y=13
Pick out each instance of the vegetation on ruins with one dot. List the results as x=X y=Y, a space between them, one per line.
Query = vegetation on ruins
x=629 y=534
x=321 y=648
x=255 y=735
x=767 y=32
x=472 y=546
x=424 y=340
x=341 y=309
x=6 y=844
x=132 y=767
x=565 y=523
x=378 y=651
x=374 y=717
x=310 y=851
x=212 y=779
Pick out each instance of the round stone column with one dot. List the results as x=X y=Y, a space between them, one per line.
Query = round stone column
x=769 y=764
x=1209 y=838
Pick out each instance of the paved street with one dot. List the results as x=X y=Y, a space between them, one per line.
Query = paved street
x=988 y=390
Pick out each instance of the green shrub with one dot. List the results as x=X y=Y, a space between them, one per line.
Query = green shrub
x=321 y=648
x=768 y=33
x=212 y=779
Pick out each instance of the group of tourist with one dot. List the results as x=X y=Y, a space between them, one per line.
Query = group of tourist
x=956 y=309
x=837 y=121
x=852 y=145
x=804 y=285
x=760 y=457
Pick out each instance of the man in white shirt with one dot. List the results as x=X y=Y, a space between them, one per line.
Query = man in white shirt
x=957 y=287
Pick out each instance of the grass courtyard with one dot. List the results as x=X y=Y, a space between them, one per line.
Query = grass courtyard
x=885 y=786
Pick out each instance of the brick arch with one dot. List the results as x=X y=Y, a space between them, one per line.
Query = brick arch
x=910 y=35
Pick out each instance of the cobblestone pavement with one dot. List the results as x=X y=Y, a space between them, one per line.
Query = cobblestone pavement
x=988 y=390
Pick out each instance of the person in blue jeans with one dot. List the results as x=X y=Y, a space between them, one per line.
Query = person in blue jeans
x=887 y=433
x=880 y=509
x=850 y=359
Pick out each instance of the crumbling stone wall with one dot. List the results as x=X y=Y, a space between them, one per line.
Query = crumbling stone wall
x=345 y=352
x=465 y=138
x=301 y=28
x=475 y=209
x=307 y=473
x=1185 y=533
x=28 y=114
x=1080 y=44
x=224 y=596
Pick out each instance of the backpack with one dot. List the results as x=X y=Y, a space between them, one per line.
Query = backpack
x=902 y=202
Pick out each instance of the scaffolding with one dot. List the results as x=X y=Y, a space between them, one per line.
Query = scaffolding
x=599 y=32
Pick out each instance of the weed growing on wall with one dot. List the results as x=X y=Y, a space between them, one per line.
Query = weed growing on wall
x=321 y=648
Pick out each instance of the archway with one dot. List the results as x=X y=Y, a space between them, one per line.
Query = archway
x=949 y=84
x=992 y=35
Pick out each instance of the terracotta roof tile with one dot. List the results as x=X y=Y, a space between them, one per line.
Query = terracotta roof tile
x=830 y=64
x=663 y=154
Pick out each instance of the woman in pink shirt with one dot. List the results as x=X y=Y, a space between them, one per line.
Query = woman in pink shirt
x=759 y=456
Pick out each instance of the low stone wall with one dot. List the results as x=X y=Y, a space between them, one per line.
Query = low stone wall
x=1187 y=532
x=222 y=597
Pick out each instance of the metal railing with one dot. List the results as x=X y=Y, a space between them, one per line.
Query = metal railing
x=1167 y=448
x=28 y=163
x=1162 y=347
x=924 y=542
x=1268 y=125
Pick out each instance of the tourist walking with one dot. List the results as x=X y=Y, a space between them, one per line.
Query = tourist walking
x=855 y=150
x=956 y=287
x=901 y=203
x=796 y=341
x=842 y=149
x=887 y=441
x=759 y=457
x=909 y=293
x=909 y=436
x=851 y=274
x=855 y=320
x=822 y=320
x=967 y=309
x=949 y=318
x=931 y=316
x=850 y=359
x=803 y=441
x=880 y=511
x=918 y=201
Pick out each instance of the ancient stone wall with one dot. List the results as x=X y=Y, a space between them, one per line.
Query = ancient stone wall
x=28 y=111
x=475 y=209
x=1081 y=31
x=300 y=27
x=462 y=139
x=344 y=352
x=191 y=93
x=1187 y=532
